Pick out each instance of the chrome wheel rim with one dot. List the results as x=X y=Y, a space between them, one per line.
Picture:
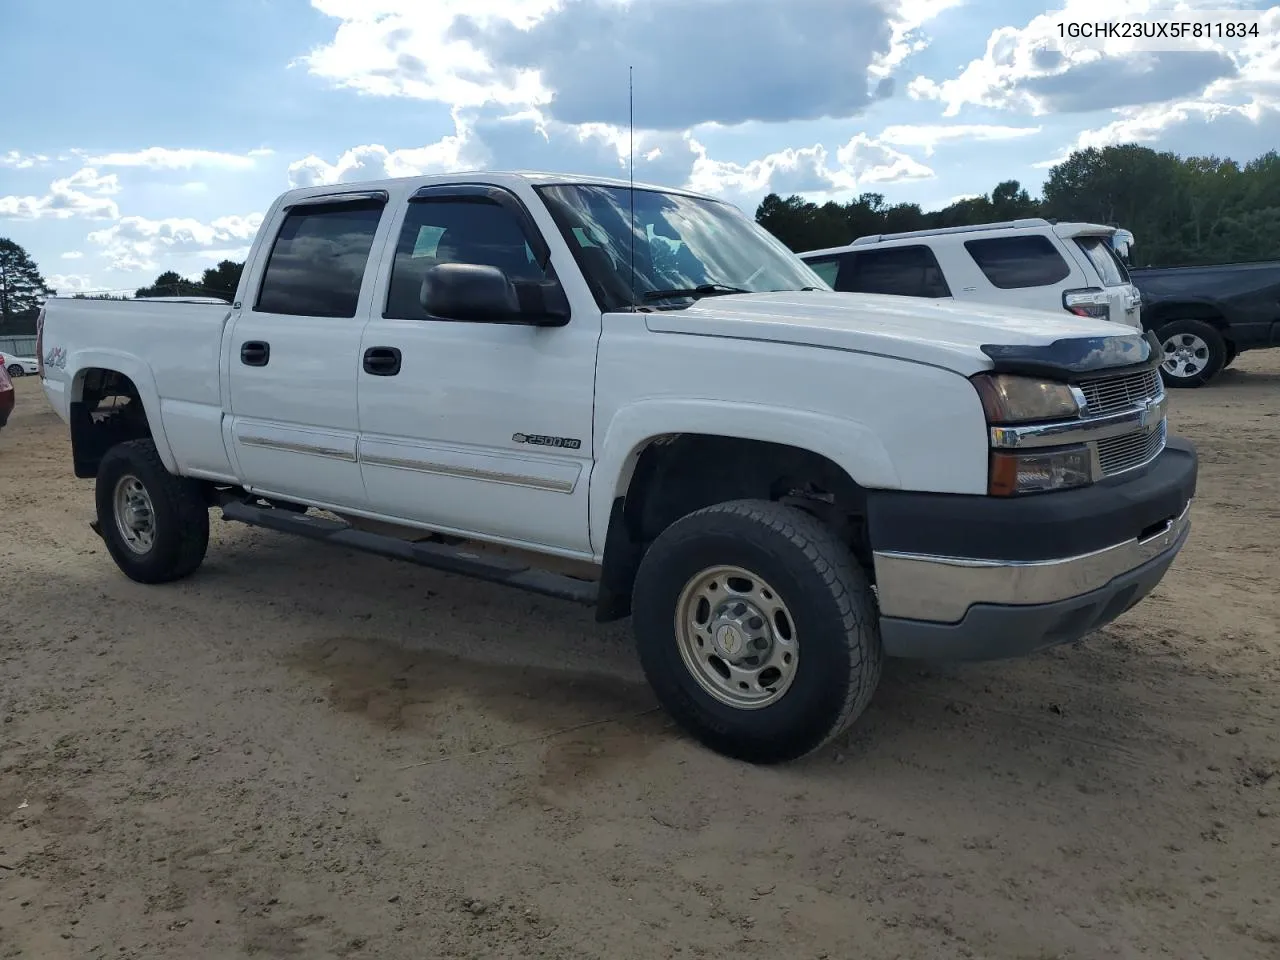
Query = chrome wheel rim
x=1185 y=355
x=737 y=637
x=135 y=516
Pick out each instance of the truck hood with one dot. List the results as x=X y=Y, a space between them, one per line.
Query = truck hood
x=943 y=333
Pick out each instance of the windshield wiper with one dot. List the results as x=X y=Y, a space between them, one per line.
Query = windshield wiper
x=703 y=290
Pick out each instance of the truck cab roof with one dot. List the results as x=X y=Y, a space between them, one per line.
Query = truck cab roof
x=499 y=178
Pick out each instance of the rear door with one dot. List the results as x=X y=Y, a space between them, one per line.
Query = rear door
x=294 y=351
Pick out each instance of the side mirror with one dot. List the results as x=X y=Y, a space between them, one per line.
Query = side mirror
x=479 y=293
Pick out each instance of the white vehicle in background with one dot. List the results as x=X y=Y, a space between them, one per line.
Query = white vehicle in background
x=19 y=366
x=1032 y=263
x=648 y=389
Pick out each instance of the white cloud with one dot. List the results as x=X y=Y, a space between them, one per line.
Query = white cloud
x=404 y=48
x=1187 y=127
x=529 y=140
x=168 y=158
x=927 y=137
x=375 y=162
x=85 y=193
x=20 y=161
x=908 y=38
x=66 y=283
x=1034 y=69
x=135 y=243
x=696 y=61
x=866 y=160
x=73 y=255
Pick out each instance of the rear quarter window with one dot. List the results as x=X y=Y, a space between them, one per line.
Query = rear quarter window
x=1104 y=260
x=1013 y=263
x=827 y=269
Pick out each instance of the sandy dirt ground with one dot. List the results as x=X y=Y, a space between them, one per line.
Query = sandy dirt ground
x=221 y=768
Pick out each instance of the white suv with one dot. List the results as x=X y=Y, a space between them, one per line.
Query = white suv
x=1033 y=263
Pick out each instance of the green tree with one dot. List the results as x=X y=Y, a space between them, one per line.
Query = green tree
x=1181 y=210
x=171 y=284
x=22 y=288
x=222 y=280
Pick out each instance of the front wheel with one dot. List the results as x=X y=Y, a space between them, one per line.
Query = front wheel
x=1194 y=353
x=155 y=525
x=757 y=630
x=17 y=371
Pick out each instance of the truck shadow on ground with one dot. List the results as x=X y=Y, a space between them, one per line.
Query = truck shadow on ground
x=405 y=647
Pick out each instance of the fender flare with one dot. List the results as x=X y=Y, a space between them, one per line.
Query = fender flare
x=846 y=442
x=130 y=366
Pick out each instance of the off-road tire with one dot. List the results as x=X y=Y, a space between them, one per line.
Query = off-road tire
x=181 y=515
x=1209 y=336
x=828 y=596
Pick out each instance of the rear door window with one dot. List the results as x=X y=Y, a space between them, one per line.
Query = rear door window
x=1013 y=263
x=1104 y=260
x=318 y=260
x=903 y=271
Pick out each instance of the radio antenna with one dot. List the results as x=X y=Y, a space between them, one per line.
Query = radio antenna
x=631 y=162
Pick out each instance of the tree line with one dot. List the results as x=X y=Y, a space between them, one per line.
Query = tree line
x=1181 y=210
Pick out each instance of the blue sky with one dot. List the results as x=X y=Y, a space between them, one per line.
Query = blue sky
x=152 y=135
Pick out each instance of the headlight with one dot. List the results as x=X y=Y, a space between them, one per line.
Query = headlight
x=1060 y=468
x=1011 y=399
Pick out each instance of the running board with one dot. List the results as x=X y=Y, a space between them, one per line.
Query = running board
x=438 y=556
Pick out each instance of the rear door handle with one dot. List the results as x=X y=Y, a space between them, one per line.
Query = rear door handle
x=255 y=353
x=382 y=361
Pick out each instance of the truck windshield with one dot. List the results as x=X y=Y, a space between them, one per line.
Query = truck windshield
x=685 y=247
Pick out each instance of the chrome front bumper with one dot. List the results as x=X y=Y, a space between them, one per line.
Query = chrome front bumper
x=942 y=589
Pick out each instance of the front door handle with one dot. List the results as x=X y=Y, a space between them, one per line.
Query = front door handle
x=255 y=353
x=382 y=361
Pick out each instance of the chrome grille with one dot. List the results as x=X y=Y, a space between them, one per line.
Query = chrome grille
x=1117 y=454
x=1115 y=393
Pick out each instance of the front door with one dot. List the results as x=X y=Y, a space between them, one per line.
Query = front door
x=294 y=351
x=477 y=427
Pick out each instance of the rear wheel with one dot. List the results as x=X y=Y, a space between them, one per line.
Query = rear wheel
x=1194 y=353
x=155 y=525
x=757 y=630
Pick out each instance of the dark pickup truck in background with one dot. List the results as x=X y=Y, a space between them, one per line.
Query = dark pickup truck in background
x=1207 y=316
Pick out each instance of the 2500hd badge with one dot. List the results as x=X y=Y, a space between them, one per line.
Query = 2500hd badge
x=568 y=443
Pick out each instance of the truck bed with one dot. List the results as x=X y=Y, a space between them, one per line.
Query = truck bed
x=180 y=387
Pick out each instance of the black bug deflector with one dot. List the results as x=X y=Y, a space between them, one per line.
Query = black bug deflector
x=1076 y=356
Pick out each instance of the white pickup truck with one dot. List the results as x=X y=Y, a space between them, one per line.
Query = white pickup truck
x=639 y=399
